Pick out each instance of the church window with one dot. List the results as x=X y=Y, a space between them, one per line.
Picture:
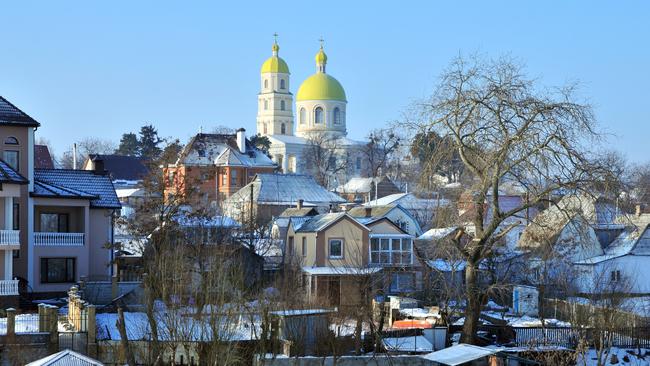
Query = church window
x=318 y=115
x=281 y=83
x=282 y=106
x=266 y=83
x=358 y=163
x=283 y=129
x=303 y=116
x=266 y=104
x=337 y=116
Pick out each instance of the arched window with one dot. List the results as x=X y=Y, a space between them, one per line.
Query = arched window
x=11 y=140
x=303 y=116
x=265 y=130
x=283 y=129
x=337 y=116
x=318 y=115
x=281 y=83
x=282 y=105
x=266 y=104
x=266 y=83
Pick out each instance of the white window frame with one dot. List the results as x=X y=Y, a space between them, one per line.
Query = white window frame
x=329 y=248
x=386 y=253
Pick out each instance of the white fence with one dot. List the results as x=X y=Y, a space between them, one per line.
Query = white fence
x=9 y=237
x=59 y=239
x=8 y=287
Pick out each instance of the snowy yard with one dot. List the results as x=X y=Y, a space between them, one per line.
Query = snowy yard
x=618 y=356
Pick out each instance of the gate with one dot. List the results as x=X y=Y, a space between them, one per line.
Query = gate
x=75 y=341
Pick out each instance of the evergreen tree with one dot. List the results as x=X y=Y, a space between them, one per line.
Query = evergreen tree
x=129 y=145
x=149 y=142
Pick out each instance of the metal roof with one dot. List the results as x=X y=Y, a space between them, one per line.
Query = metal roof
x=459 y=354
x=9 y=175
x=10 y=115
x=68 y=183
x=66 y=358
x=285 y=189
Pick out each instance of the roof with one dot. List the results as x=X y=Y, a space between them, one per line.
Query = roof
x=285 y=189
x=67 y=183
x=438 y=233
x=633 y=240
x=274 y=64
x=297 y=140
x=407 y=344
x=10 y=115
x=297 y=212
x=9 y=175
x=357 y=185
x=320 y=86
x=459 y=354
x=408 y=201
x=42 y=157
x=375 y=211
x=321 y=222
x=209 y=148
x=66 y=358
x=338 y=271
x=122 y=166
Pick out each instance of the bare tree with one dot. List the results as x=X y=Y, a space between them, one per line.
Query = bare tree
x=504 y=128
x=382 y=144
x=85 y=147
x=325 y=159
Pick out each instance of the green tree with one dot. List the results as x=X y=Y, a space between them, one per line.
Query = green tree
x=170 y=152
x=129 y=145
x=149 y=142
x=261 y=142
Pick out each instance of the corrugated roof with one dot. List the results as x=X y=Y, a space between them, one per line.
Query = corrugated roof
x=65 y=182
x=66 y=358
x=285 y=189
x=459 y=354
x=10 y=175
x=10 y=115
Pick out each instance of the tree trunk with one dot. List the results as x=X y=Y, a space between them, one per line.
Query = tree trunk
x=473 y=308
x=124 y=341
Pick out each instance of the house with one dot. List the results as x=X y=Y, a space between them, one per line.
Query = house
x=394 y=212
x=463 y=354
x=423 y=209
x=42 y=157
x=344 y=260
x=273 y=193
x=124 y=170
x=211 y=167
x=443 y=263
x=57 y=222
x=364 y=190
x=281 y=223
x=66 y=357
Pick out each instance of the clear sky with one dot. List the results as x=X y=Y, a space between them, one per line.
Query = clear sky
x=101 y=69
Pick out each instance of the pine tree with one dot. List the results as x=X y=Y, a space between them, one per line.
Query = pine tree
x=128 y=145
x=149 y=143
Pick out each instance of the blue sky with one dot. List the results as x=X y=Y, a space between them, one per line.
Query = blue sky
x=101 y=69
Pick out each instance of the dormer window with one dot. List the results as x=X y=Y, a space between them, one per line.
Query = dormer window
x=11 y=141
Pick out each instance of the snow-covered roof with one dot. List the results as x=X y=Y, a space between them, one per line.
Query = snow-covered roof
x=320 y=222
x=438 y=233
x=407 y=344
x=459 y=354
x=357 y=185
x=222 y=150
x=66 y=358
x=338 y=271
x=631 y=241
x=302 y=312
x=408 y=201
x=214 y=221
x=285 y=189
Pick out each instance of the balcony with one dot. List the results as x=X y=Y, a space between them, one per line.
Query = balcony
x=9 y=237
x=8 y=287
x=53 y=239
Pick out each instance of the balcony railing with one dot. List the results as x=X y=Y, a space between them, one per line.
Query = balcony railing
x=59 y=239
x=9 y=237
x=8 y=287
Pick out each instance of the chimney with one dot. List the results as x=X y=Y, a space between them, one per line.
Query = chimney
x=637 y=210
x=74 y=156
x=299 y=205
x=368 y=211
x=98 y=165
x=241 y=140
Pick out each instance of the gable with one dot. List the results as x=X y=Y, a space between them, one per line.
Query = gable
x=384 y=226
x=642 y=246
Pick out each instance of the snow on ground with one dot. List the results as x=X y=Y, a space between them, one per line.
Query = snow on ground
x=418 y=313
x=625 y=357
x=520 y=321
x=25 y=323
x=408 y=344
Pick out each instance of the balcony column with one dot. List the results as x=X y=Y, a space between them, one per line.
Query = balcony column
x=9 y=225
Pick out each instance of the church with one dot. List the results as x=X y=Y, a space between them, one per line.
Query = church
x=321 y=106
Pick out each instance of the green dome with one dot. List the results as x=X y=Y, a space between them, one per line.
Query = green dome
x=275 y=64
x=321 y=86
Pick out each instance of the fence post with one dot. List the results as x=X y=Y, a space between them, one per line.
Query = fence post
x=92 y=331
x=114 y=287
x=41 y=317
x=53 y=327
x=11 y=323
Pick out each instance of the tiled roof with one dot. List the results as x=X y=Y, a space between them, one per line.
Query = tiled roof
x=10 y=115
x=122 y=167
x=42 y=157
x=10 y=175
x=62 y=182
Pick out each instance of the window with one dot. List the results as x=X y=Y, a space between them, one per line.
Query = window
x=304 y=246
x=233 y=177
x=54 y=222
x=303 y=116
x=391 y=251
x=283 y=129
x=57 y=270
x=401 y=282
x=318 y=115
x=11 y=158
x=337 y=116
x=336 y=248
x=266 y=83
x=205 y=176
x=290 y=248
x=282 y=105
x=265 y=131
x=224 y=178
x=11 y=141
x=331 y=162
x=16 y=223
x=266 y=104
x=358 y=163
x=281 y=83
x=616 y=276
x=201 y=153
x=170 y=177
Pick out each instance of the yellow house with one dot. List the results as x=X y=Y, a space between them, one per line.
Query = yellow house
x=345 y=260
